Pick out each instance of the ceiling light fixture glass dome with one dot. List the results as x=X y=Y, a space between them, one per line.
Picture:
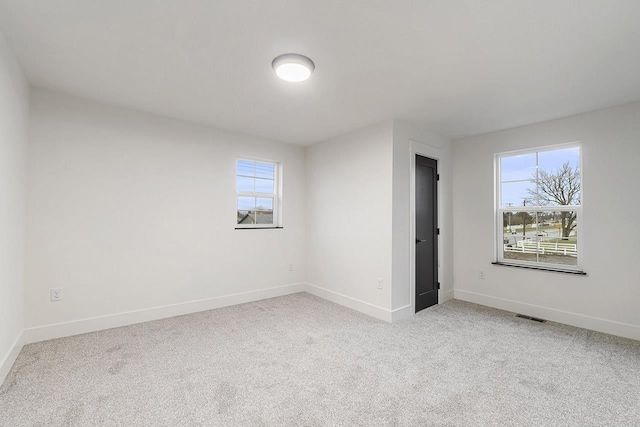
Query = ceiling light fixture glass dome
x=292 y=67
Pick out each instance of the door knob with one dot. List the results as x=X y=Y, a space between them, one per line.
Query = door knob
x=420 y=241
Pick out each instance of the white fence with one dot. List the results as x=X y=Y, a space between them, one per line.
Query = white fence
x=529 y=247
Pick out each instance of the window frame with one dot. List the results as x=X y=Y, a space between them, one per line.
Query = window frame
x=276 y=196
x=500 y=210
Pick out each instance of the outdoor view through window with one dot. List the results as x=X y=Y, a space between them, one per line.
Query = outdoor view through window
x=256 y=188
x=539 y=207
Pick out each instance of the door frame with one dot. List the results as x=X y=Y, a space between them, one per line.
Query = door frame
x=435 y=153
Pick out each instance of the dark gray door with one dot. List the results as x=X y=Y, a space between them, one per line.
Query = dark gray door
x=426 y=232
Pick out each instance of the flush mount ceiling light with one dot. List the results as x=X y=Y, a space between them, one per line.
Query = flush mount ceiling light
x=292 y=67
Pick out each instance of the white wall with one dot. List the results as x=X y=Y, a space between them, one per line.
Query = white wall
x=129 y=211
x=407 y=140
x=349 y=195
x=14 y=113
x=607 y=299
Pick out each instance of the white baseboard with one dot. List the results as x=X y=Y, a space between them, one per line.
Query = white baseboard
x=445 y=296
x=350 y=302
x=402 y=313
x=408 y=310
x=574 y=319
x=82 y=326
x=10 y=358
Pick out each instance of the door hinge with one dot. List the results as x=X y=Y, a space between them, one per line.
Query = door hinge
x=438 y=285
x=438 y=230
x=437 y=177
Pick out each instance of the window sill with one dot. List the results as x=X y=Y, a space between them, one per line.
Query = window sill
x=531 y=267
x=258 y=228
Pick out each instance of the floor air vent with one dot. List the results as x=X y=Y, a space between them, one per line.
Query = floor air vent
x=535 y=319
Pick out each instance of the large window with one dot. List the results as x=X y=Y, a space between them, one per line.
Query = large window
x=539 y=207
x=257 y=194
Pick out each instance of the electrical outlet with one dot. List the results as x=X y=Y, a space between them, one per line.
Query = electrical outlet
x=379 y=283
x=290 y=267
x=481 y=275
x=56 y=294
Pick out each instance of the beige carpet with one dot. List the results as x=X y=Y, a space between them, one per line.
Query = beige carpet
x=300 y=360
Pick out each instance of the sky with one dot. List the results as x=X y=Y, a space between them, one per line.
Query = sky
x=255 y=177
x=522 y=168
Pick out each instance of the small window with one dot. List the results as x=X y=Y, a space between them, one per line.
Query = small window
x=257 y=194
x=539 y=208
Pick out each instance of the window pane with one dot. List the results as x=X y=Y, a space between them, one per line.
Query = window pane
x=264 y=207
x=511 y=223
x=518 y=194
x=561 y=239
x=264 y=186
x=264 y=170
x=554 y=159
x=246 y=210
x=558 y=238
x=519 y=225
x=246 y=203
x=246 y=217
x=246 y=168
x=549 y=237
x=264 y=217
x=255 y=179
x=264 y=204
x=514 y=168
x=519 y=236
x=245 y=184
x=559 y=177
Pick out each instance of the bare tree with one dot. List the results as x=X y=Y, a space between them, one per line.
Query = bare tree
x=561 y=187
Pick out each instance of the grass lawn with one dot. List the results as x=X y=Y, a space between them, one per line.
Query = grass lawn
x=572 y=239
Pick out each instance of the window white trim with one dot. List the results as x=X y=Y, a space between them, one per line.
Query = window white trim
x=500 y=210
x=275 y=196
